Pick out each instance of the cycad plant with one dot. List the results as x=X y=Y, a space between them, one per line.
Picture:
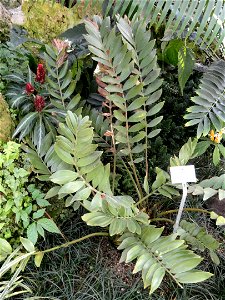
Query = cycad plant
x=129 y=81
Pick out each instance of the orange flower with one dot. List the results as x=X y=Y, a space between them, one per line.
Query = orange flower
x=211 y=135
x=216 y=136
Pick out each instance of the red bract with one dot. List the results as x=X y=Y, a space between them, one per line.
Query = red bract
x=40 y=77
x=29 y=88
x=39 y=103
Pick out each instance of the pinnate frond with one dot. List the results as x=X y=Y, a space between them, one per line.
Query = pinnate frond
x=157 y=255
x=209 y=108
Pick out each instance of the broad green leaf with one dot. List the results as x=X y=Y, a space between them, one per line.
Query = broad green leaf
x=201 y=148
x=137 y=103
x=69 y=90
x=134 y=252
x=133 y=92
x=28 y=245
x=42 y=202
x=97 y=219
x=213 y=215
x=115 y=225
x=208 y=193
x=137 y=116
x=186 y=63
x=119 y=116
x=146 y=185
x=38 y=259
x=63 y=176
x=216 y=156
x=131 y=82
x=5 y=247
x=52 y=192
x=214 y=257
x=154 y=133
x=50 y=52
x=25 y=122
x=132 y=225
x=186 y=265
x=32 y=233
x=71 y=187
x=74 y=102
x=138 y=137
x=38 y=214
x=63 y=70
x=157 y=279
x=155 y=121
x=221 y=194
x=220 y=221
x=48 y=225
x=82 y=194
x=155 y=109
x=151 y=234
x=154 y=97
x=164 y=192
x=160 y=179
x=136 y=127
x=170 y=54
x=87 y=160
x=64 y=155
x=193 y=277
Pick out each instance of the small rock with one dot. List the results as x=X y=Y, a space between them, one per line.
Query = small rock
x=17 y=16
x=9 y=4
x=5 y=23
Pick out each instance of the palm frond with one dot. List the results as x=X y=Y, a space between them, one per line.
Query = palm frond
x=202 y=19
x=209 y=108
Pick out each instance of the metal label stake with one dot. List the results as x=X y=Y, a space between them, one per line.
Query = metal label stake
x=182 y=174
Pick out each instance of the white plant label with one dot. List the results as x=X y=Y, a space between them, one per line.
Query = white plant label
x=183 y=174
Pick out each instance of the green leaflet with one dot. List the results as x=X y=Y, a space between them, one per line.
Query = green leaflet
x=198 y=238
x=28 y=245
x=48 y=225
x=185 y=66
x=118 y=218
x=193 y=277
x=63 y=176
x=208 y=111
x=174 y=259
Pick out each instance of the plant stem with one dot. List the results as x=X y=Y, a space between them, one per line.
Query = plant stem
x=60 y=90
x=73 y=242
x=134 y=183
x=144 y=198
x=161 y=220
x=185 y=209
x=113 y=146
x=131 y=159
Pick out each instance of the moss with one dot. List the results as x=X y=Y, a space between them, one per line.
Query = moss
x=46 y=21
x=6 y=123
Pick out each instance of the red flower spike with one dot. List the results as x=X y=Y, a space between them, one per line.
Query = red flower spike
x=40 y=77
x=29 y=88
x=39 y=103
